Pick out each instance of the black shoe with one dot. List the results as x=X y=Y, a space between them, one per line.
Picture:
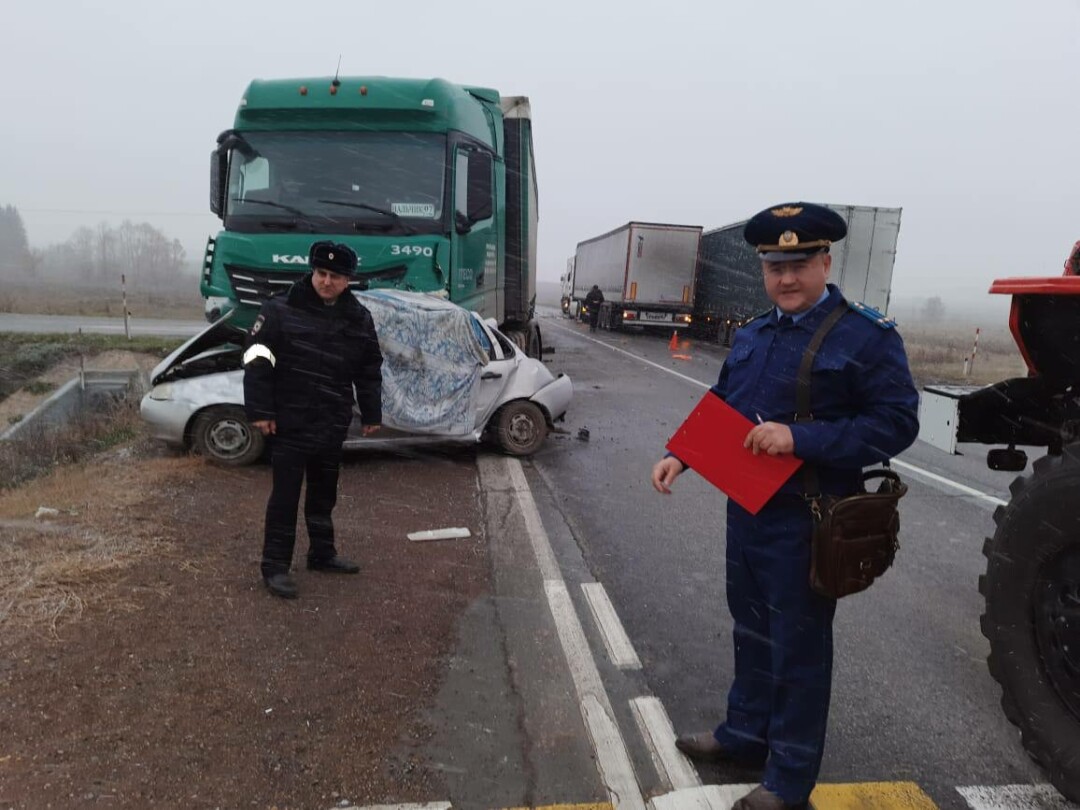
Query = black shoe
x=281 y=585
x=760 y=798
x=335 y=565
x=704 y=747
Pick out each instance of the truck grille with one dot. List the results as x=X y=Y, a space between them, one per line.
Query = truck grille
x=252 y=286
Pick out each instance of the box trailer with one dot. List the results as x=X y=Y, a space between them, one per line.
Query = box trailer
x=645 y=271
x=729 y=287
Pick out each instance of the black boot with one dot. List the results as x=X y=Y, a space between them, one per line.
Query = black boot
x=281 y=585
x=334 y=565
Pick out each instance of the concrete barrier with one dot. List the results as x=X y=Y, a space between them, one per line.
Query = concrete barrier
x=88 y=390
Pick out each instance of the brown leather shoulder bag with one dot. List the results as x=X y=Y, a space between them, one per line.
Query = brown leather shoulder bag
x=855 y=537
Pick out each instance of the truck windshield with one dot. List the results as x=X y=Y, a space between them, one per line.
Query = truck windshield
x=330 y=182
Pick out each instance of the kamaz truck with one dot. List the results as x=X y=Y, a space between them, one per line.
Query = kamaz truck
x=433 y=185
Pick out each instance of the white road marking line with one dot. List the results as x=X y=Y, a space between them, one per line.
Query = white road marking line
x=709 y=797
x=425 y=806
x=904 y=464
x=545 y=557
x=659 y=735
x=948 y=482
x=637 y=357
x=612 y=758
x=619 y=648
x=1015 y=797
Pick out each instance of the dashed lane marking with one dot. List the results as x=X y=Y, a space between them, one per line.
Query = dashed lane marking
x=659 y=736
x=612 y=758
x=1015 y=797
x=619 y=649
x=709 y=797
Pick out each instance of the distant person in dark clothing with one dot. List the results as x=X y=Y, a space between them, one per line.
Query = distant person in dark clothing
x=305 y=354
x=593 y=299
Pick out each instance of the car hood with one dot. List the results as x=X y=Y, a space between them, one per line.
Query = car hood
x=220 y=333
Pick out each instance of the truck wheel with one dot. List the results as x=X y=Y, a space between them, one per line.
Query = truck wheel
x=521 y=428
x=1032 y=619
x=527 y=339
x=224 y=435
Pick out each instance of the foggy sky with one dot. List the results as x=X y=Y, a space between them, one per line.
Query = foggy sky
x=964 y=114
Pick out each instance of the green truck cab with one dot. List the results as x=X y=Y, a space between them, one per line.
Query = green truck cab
x=433 y=185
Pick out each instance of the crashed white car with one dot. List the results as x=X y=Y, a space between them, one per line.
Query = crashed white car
x=448 y=375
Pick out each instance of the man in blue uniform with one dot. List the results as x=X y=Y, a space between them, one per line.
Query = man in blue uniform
x=308 y=351
x=864 y=411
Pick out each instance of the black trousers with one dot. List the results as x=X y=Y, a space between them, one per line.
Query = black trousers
x=292 y=463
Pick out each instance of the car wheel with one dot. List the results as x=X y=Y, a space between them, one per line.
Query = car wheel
x=225 y=436
x=521 y=428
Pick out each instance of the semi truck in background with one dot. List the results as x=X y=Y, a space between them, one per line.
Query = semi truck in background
x=729 y=290
x=645 y=271
x=433 y=185
x=566 y=281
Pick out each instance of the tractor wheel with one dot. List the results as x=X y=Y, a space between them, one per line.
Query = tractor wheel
x=224 y=435
x=520 y=427
x=1032 y=619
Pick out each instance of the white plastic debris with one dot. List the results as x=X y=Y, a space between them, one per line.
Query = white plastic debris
x=46 y=512
x=439 y=534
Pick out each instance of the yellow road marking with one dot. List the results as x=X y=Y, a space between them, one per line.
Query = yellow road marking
x=871 y=796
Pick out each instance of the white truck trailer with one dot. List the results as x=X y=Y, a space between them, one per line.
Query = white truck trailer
x=729 y=288
x=645 y=271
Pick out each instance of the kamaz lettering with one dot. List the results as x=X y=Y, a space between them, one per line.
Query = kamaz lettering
x=279 y=259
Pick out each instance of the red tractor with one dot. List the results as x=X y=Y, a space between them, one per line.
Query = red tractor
x=1032 y=580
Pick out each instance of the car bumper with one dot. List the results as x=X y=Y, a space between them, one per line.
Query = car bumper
x=555 y=396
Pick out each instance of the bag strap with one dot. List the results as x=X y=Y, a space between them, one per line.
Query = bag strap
x=802 y=397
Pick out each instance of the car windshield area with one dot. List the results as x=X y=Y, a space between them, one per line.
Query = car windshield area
x=334 y=182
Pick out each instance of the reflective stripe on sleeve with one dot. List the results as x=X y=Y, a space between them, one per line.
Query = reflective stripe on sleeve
x=257 y=350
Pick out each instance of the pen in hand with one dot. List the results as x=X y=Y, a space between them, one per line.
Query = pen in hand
x=760 y=421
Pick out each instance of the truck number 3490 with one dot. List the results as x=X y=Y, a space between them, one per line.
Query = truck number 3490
x=411 y=250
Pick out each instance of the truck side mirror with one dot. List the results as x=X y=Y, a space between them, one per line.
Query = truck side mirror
x=480 y=191
x=219 y=163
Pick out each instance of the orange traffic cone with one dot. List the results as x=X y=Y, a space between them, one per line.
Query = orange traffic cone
x=673 y=344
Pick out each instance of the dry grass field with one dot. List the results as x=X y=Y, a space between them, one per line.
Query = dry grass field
x=937 y=353
x=181 y=300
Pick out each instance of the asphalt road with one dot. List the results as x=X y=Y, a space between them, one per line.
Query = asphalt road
x=63 y=324
x=912 y=698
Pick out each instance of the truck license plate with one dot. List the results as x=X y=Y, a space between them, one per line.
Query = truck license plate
x=656 y=316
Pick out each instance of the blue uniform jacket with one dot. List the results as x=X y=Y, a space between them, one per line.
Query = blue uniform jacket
x=863 y=400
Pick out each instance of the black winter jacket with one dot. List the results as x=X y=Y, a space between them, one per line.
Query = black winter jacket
x=302 y=360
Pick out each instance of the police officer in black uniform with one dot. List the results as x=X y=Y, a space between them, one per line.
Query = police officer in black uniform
x=864 y=410
x=306 y=353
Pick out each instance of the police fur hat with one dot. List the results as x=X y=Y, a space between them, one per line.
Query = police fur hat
x=332 y=256
x=792 y=231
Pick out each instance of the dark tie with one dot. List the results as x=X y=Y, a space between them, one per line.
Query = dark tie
x=786 y=320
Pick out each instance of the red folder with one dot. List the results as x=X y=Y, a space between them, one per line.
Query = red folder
x=711 y=442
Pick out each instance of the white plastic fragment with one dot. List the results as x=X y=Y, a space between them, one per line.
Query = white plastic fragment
x=46 y=512
x=439 y=534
